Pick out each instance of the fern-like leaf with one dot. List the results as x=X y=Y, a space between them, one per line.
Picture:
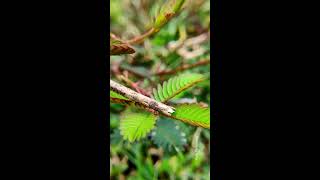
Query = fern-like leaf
x=168 y=135
x=136 y=125
x=176 y=85
x=193 y=114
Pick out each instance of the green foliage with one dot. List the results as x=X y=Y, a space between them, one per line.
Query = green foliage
x=115 y=137
x=163 y=152
x=144 y=166
x=168 y=135
x=119 y=99
x=193 y=114
x=136 y=125
x=175 y=85
x=116 y=95
x=168 y=10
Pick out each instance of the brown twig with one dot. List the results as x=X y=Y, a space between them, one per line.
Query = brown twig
x=134 y=85
x=129 y=103
x=197 y=40
x=139 y=39
x=184 y=67
x=144 y=100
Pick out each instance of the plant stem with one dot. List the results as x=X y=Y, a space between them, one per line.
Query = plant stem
x=146 y=101
x=133 y=103
x=134 y=85
x=184 y=67
x=140 y=38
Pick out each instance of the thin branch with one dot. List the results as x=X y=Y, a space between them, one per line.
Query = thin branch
x=184 y=67
x=140 y=38
x=186 y=54
x=197 y=40
x=134 y=85
x=129 y=102
x=146 y=101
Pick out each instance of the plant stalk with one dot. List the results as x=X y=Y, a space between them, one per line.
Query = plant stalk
x=140 y=39
x=184 y=67
x=146 y=101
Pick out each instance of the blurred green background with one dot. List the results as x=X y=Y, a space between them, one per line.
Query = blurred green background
x=173 y=150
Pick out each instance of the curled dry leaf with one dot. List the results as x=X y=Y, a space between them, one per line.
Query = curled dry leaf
x=118 y=47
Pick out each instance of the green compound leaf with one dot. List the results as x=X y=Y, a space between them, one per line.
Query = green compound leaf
x=168 y=135
x=193 y=114
x=136 y=125
x=176 y=85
